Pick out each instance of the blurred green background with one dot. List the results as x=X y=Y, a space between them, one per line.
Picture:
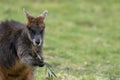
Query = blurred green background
x=82 y=38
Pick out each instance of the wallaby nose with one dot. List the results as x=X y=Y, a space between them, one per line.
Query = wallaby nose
x=37 y=42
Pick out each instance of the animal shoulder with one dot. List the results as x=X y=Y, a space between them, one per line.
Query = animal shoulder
x=14 y=25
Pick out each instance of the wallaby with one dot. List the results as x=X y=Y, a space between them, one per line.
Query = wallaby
x=20 y=45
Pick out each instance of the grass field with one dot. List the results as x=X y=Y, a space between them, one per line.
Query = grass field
x=82 y=40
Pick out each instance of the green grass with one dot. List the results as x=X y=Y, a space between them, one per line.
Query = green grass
x=82 y=40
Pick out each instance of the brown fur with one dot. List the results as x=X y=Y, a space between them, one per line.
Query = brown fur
x=17 y=58
x=13 y=68
x=17 y=72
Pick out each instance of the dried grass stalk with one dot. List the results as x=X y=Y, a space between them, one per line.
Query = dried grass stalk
x=49 y=69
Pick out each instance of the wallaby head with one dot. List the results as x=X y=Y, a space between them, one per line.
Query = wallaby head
x=35 y=27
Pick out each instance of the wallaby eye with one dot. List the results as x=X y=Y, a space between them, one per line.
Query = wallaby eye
x=32 y=31
x=41 y=31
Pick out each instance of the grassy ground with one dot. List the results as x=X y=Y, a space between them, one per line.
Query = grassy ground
x=82 y=40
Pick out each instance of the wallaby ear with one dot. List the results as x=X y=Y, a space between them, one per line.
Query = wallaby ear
x=28 y=16
x=44 y=14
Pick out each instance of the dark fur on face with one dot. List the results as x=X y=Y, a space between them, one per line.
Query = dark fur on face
x=35 y=30
x=17 y=56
